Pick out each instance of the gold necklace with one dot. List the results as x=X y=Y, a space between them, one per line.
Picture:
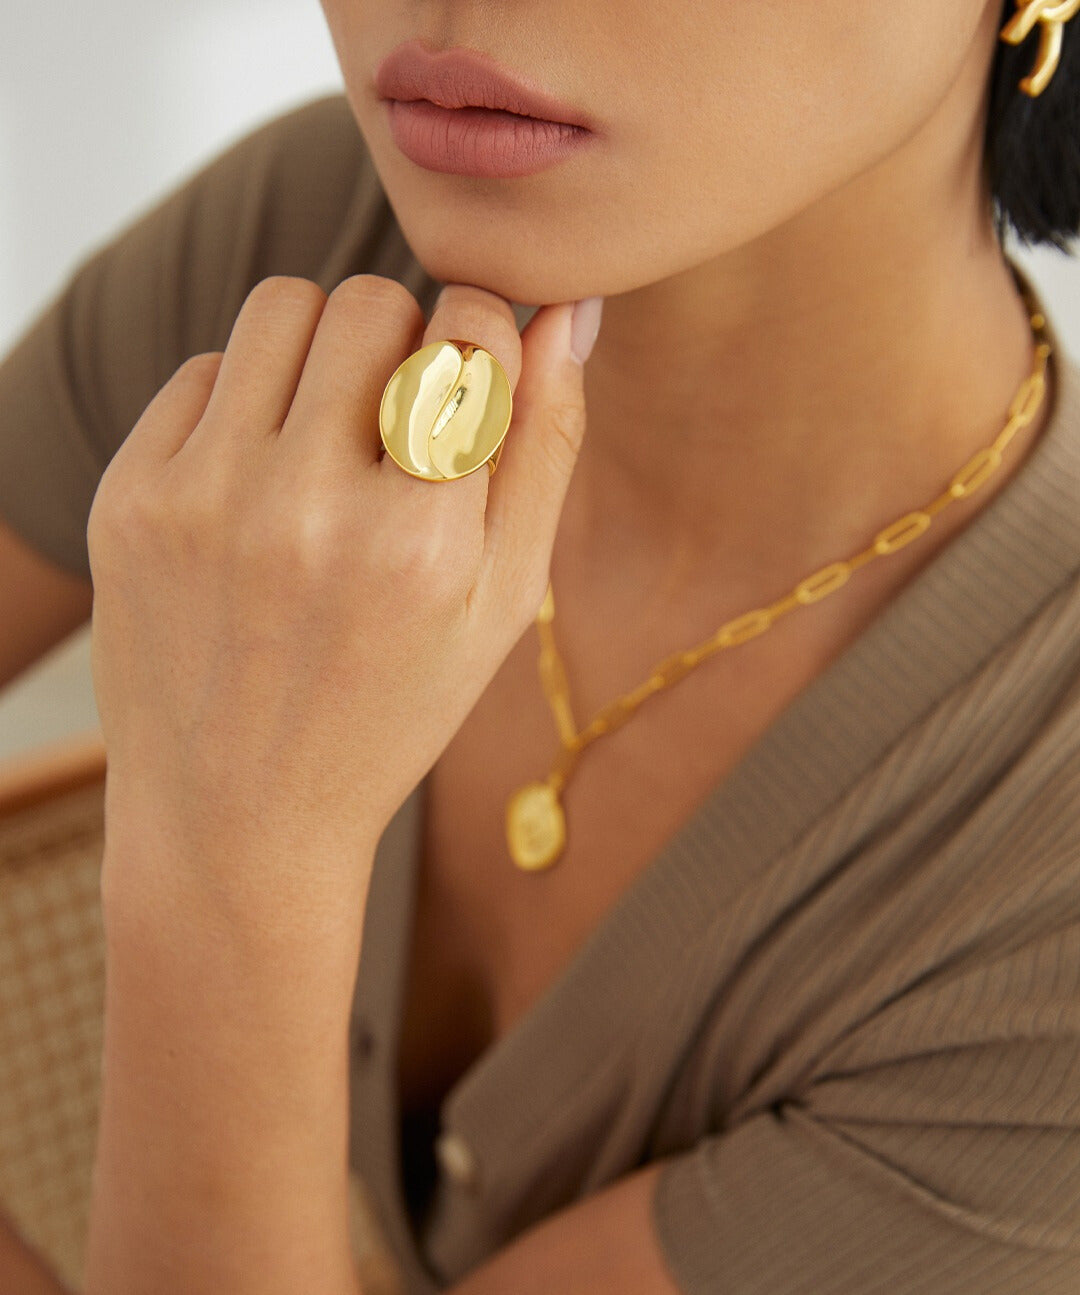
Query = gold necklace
x=535 y=822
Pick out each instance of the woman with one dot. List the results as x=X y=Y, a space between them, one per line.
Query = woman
x=779 y=988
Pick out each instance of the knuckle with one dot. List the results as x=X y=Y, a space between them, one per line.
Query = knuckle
x=428 y=557
x=300 y=541
x=475 y=303
x=127 y=508
x=317 y=540
x=468 y=311
x=313 y=528
x=285 y=292
x=198 y=371
x=205 y=362
x=564 y=432
x=367 y=297
x=374 y=288
x=197 y=505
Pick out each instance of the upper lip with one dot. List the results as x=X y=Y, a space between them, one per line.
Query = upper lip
x=464 y=78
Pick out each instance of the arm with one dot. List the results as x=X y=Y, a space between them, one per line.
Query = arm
x=222 y=1146
x=936 y=1151
x=165 y=286
x=222 y=1142
x=604 y=1244
x=40 y=604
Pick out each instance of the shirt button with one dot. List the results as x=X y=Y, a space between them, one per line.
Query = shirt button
x=457 y=1158
x=363 y=1038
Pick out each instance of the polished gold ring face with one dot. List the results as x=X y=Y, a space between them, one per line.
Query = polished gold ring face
x=446 y=410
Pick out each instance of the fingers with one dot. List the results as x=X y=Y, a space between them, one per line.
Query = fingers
x=162 y=430
x=476 y=315
x=466 y=313
x=368 y=326
x=303 y=374
x=166 y=423
x=312 y=368
x=262 y=363
x=525 y=496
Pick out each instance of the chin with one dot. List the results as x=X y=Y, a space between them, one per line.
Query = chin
x=464 y=234
x=498 y=266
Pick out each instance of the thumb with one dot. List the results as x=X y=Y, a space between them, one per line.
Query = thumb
x=526 y=492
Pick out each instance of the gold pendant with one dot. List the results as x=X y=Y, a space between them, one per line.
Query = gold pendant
x=535 y=826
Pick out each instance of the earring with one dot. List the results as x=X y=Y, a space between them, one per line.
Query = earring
x=1051 y=15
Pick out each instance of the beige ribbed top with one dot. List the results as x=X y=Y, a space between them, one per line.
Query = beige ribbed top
x=842 y=1004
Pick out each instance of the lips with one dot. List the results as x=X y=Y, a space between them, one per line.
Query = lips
x=463 y=78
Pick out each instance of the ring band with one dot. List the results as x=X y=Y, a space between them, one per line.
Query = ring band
x=446 y=410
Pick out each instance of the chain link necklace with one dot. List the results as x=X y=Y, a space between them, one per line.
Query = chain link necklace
x=535 y=821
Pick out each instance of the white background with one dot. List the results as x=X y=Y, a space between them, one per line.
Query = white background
x=105 y=106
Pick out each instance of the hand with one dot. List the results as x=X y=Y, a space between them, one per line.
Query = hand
x=288 y=629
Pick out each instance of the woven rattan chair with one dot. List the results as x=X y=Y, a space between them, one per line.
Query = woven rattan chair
x=52 y=980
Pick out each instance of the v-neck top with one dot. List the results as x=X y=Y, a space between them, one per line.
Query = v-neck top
x=841 y=1005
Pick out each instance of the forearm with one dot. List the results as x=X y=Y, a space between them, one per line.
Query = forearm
x=22 y=1272
x=222 y=1147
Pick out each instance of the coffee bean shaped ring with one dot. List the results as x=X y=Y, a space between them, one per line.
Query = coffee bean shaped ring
x=446 y=410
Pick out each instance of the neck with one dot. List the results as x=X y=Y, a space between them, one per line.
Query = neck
x=768 y=412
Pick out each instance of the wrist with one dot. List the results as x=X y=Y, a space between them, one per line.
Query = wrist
x=224 y=1118
x=165 y=885
x=181 y=925
x=287 y=1009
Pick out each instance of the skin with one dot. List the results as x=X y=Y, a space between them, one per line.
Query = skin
x=827 y=288
x=803 y=289
x=250 y=777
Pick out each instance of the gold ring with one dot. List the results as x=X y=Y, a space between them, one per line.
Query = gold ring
x=445 y=411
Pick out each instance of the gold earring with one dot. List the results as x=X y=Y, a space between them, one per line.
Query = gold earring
x=1051 y=15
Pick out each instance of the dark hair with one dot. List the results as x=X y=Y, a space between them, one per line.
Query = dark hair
x=1032 y=146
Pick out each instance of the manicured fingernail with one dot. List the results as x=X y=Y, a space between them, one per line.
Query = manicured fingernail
x=584 y=327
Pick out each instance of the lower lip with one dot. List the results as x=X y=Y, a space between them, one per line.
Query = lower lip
x=479 y=141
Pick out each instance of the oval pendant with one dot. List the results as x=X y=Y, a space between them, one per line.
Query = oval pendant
x=535 y=826
x=445 y=410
